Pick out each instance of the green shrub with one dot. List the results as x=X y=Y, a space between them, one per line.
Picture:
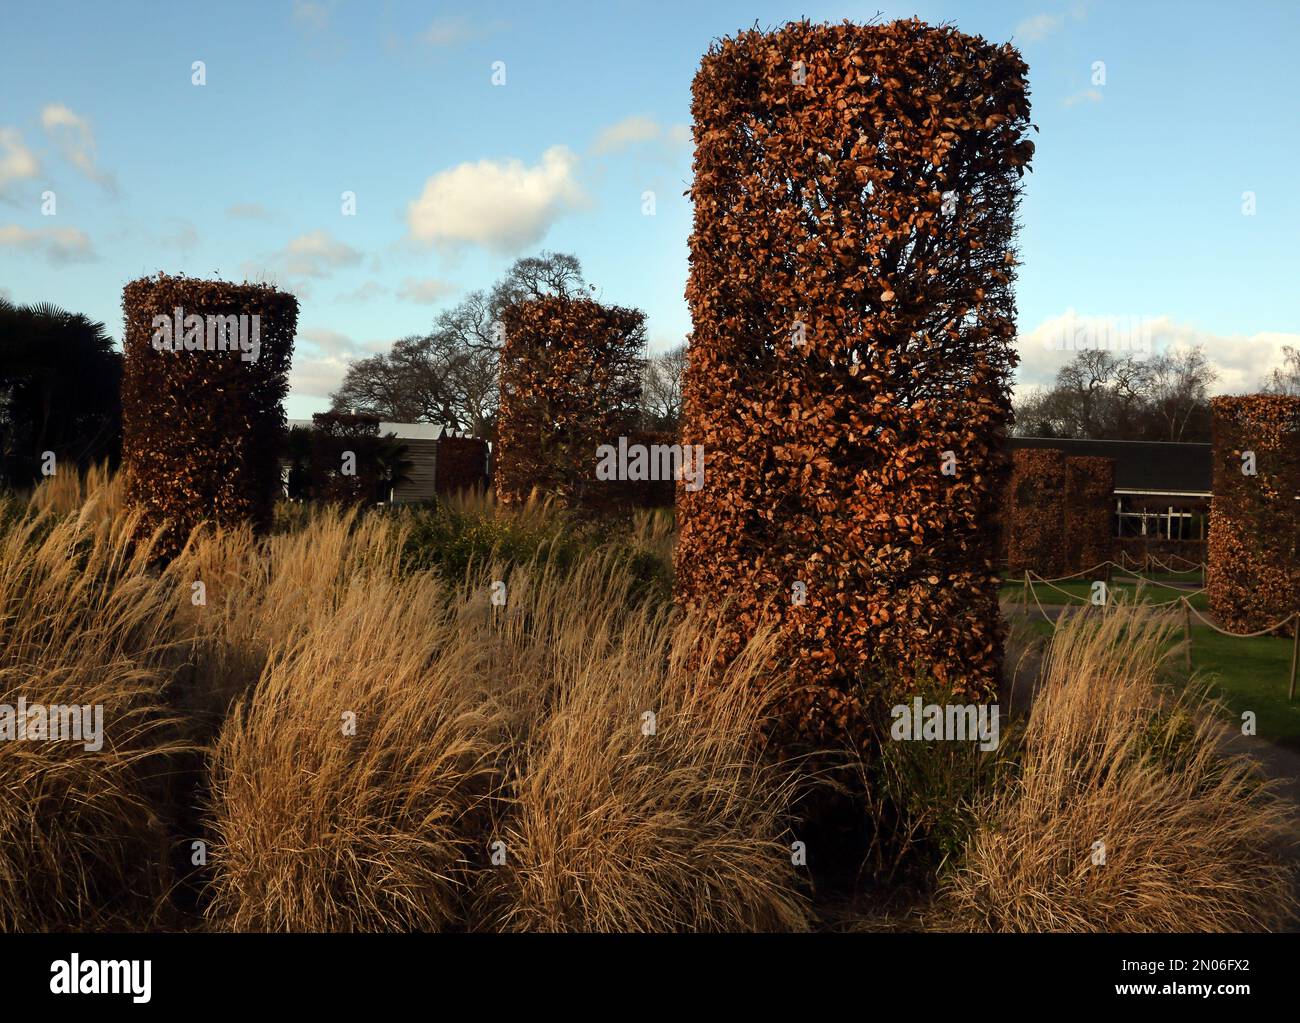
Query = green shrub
x=450 y=542
x=924 y=794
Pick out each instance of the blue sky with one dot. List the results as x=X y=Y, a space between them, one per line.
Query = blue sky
x=1135 y=206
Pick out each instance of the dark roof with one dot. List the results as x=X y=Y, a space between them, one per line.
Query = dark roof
x=1145 y=466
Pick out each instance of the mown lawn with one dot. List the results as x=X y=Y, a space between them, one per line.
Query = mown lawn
x=1246 y=674
x=1194 y=578
x=1251 y=674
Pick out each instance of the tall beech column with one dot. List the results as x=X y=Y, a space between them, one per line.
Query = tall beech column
x=850 y=289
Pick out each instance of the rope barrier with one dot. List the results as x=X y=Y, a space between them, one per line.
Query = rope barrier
x=1166 y=603
x=1142 y=581
x=1047 y=582
x=1196 y=565
x=1125 y=556
x=1077 y=575
x=1151 y=559
x=1267 y=630
x=1188 y=611
x=1179 y=571
x=1241 y=635
x=1088 y=572
x=1050 y=620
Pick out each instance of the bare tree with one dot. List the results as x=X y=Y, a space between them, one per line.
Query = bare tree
x=661 y=389
x=1107 y=397
x=476 y=320
x=1098 y=391
x=551 y=273
x=1285 y=379
x=424 y=379
x=1178 y=389
x=449 y=376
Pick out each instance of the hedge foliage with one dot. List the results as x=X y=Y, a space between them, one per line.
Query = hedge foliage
x=1088 y=531
x=648 y=493
x=570 y=379
x=462 y=464
x=850 y=288
x=1254 y=546
x=1034 y=512
x=199 y=425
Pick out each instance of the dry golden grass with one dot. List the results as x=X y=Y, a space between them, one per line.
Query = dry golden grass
x=525 y=725
x=83 y=623
x=67 y=492
x=344 y=787
x=478 y=724
x=263 y=594
x=1193 y=840
x=538 y=511
x=613 y=820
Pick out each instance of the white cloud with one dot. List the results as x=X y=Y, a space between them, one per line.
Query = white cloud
x=317 y=254
x=1087 y=96
x=629 y=131
x=76 y=141
x=503 y=207
x=426 y=290
x=329 y=342
x=638 y=130
x=1243 y=362
x=446 y=31
x=318 y=377
x=59 y=245
x=367 y=292
x=17 y=162
x=1039 y=27
x=319 y=372
x=312 y=15
x=248 y=211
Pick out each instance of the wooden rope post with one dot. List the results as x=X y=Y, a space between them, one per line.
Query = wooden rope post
x=1026 y=591
x=1187 y=634
x=1295 y=654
